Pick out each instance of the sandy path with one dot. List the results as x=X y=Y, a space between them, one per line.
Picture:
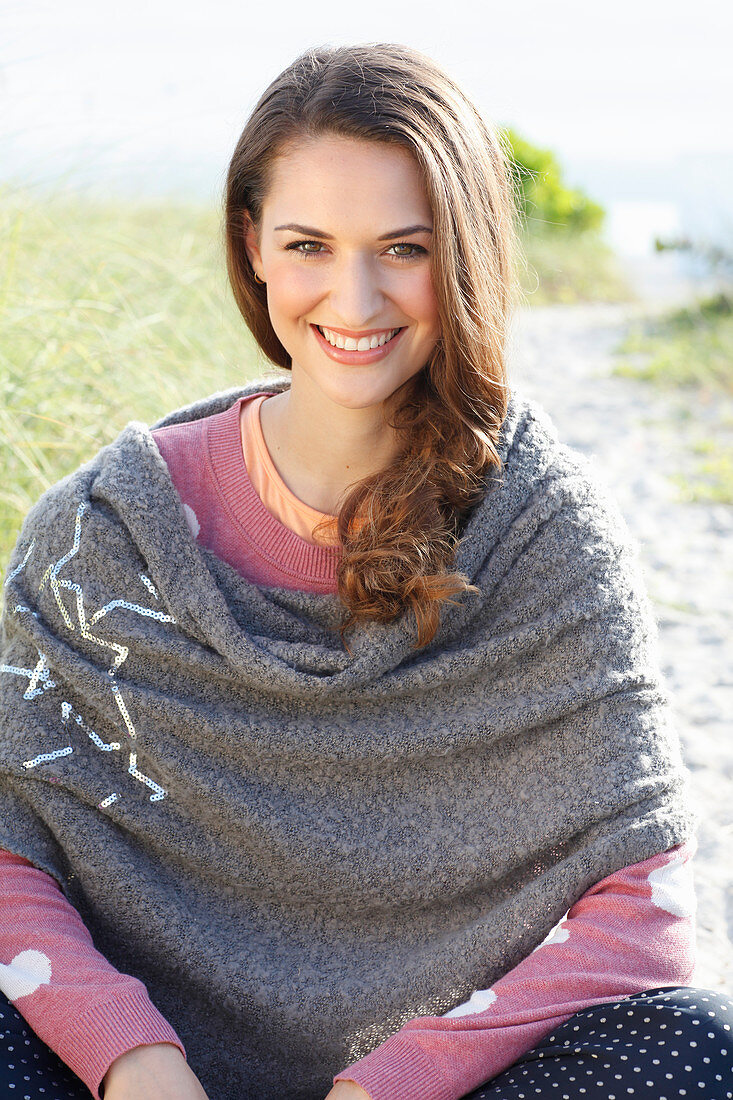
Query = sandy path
x=563 y=357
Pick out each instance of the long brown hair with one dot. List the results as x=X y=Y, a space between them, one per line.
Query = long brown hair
x=399 y=527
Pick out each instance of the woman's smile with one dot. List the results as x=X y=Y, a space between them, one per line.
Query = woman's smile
x=367 y=349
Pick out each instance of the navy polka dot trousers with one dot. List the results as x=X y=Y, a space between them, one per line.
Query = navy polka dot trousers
x=658 y=1045
x=662 y=1044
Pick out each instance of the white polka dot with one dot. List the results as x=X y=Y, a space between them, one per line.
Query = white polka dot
x=26 y=972
x=192 y=520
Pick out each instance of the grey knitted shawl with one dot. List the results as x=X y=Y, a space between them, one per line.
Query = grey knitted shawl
x=299 y=850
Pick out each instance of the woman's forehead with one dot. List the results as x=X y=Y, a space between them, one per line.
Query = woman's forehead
x=346 y=180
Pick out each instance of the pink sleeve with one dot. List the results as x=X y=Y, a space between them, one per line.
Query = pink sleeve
x=632 y=931
x=77 y=1003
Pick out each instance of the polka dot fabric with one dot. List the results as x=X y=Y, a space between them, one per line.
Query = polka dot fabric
x=29 y=1070
x=664 y=1044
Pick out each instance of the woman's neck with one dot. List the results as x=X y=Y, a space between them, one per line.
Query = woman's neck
x=320 y=452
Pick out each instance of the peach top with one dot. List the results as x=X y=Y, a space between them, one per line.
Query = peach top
x=270 y=487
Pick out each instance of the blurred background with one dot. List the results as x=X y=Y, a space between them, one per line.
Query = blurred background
x=117 y=123
x=116 y=127
x=147 y=98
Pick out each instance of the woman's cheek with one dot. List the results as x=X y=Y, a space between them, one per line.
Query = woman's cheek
x=297 y=291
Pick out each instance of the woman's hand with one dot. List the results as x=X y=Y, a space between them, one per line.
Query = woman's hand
x=156 y=1071
x=347 y=1090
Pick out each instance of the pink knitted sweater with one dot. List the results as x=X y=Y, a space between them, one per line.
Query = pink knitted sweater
x=632 y=931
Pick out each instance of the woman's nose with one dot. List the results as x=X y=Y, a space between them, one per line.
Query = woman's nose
x=356 y=294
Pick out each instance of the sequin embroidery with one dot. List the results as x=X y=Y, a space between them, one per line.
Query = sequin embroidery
x=39 y=677
x=46 y=757
x=19 y=568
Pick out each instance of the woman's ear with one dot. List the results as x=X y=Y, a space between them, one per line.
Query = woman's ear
x=251 y=246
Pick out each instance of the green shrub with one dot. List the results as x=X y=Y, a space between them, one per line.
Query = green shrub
x=543 y=197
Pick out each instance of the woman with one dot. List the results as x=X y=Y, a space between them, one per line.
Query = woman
x=334 y=756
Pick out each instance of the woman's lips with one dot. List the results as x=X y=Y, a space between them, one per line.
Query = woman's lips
x=340 y=355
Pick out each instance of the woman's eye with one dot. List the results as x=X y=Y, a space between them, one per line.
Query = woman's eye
x=296 y=246
x=301 y=248
x=312 y=251
x=416 y=250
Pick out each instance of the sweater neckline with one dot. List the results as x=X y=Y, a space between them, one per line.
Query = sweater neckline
x=275 y=542
x=312 y=515
x=220 y=605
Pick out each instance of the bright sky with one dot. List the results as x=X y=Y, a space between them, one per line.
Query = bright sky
x=151 y=84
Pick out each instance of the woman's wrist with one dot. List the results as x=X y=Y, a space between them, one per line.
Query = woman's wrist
x=134 y=1056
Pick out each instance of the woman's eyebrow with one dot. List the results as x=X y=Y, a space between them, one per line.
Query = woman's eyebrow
x=328 y=237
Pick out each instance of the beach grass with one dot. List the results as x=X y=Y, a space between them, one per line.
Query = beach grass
x=689 y=350
x=107 y=314
x=689 y=346
x=570 y=268
x=114 y=311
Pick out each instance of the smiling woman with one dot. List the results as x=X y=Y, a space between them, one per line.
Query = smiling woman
x=359 y=318
x=334 y=754
x=403 y=430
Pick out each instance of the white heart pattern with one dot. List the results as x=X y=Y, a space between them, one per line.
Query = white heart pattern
x=192 y=520
x=26 y=973
x=558 y=934
x=673 y=887
x=479 y=1001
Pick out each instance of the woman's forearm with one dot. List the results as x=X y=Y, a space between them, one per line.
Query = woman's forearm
x=78 y=1004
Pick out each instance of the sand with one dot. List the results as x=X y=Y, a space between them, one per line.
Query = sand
x=563 y=356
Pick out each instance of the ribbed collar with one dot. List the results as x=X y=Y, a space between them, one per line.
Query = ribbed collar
x=276 y=543
x=234 y=617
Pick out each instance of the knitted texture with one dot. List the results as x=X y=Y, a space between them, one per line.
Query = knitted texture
x=227 y=514
x=299 y=849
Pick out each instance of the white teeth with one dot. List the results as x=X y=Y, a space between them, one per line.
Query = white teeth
x=365 y=343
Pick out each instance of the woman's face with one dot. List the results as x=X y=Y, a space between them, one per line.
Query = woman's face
x=359 y=273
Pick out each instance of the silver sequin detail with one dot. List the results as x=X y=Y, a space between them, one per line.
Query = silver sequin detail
x=67 y=711
x=121 y=651
x=45 y=757
x=40 y=675
x=133 y=770
x=149 y=585
x=21 y=567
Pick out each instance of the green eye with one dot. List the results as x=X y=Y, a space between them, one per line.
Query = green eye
x=296 y=247
x=416 y=250
x=404 y=244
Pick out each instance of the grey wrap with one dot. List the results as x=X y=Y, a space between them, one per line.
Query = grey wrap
x=297 y=850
